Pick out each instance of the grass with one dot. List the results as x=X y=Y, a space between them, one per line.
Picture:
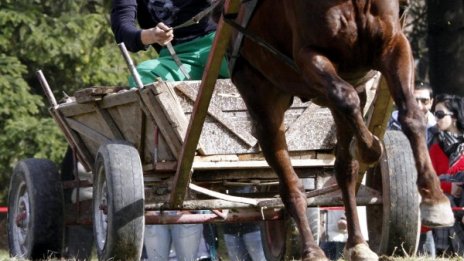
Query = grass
x=4 y=256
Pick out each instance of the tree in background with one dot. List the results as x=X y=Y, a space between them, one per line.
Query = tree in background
x=72 y=43
x=446 y=45
x=416 y=31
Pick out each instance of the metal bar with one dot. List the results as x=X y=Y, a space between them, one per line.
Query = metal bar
x=46 y=88
x=130 y=65
x=200 y=109
x=176 y=59
x=71 y=137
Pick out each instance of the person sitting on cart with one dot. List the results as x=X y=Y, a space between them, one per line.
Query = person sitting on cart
x=163 y=24
x=157 y=20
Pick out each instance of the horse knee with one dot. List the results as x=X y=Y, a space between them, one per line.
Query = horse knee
x=412 y=121
x=345 y=99
x=346 y=170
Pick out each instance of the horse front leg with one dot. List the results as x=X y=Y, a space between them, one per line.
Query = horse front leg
x=267 y=105
x=272 y=141
x=320 y=73
x=346 y=173
x=397 y=67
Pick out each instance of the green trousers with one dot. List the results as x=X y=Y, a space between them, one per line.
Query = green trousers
x=192 y=54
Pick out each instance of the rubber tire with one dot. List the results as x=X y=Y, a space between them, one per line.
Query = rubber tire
x=394 y=226
x=36 y=183
x=118 y=181
x=281 y=239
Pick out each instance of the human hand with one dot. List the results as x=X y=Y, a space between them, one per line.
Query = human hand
x=162 y=34
x=456 y=189
x=342 y=224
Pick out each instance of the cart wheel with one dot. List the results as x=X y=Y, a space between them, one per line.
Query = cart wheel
x=281 y=239
x=118 y=202
x=394 y=226
x=36 y=211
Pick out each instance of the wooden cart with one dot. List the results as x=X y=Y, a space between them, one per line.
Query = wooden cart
x=169 y=146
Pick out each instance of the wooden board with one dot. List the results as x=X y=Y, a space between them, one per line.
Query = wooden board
x=228 y=127
x=133 y=115
x=94 y=93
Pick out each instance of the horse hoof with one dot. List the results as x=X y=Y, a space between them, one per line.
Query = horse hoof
x=360 y=252
x=315 y=258
x=368 y=155
x=319 y=258
x=437 y=215
x=314 y=255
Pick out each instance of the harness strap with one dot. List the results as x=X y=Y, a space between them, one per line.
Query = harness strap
x=258 y=40
x=196 y=18
x=249 y=8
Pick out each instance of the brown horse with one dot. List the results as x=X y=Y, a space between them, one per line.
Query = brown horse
x=329 y=43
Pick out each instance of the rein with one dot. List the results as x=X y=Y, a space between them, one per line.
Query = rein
x=196 y=18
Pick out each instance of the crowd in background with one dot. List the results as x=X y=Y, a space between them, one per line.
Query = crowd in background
x=444 y=118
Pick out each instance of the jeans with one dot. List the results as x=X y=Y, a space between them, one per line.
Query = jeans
x=427 y=244
x=333 y=250
x=245 y=247
x=185 y=238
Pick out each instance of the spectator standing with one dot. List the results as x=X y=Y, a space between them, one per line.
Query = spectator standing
x=335 y=234
x=447 y=154
x=243 y=240
x=207 y=250
x=424 y=97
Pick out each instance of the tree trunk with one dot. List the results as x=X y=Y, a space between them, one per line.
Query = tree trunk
x=446 y=45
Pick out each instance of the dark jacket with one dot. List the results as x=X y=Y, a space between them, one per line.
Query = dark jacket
x=149 y=13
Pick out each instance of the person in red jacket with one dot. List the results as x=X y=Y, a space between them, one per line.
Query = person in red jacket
x=447 y=155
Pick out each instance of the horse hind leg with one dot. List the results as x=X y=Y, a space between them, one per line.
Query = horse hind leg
x=319 y=71
x=267 y=106
x=346 y=173
x=398 y=69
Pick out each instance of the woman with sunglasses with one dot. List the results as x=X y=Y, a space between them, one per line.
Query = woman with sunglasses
x=447 y=155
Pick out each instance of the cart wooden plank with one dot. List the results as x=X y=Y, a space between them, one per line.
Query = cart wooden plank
x=93 y=94
x=216 y=112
